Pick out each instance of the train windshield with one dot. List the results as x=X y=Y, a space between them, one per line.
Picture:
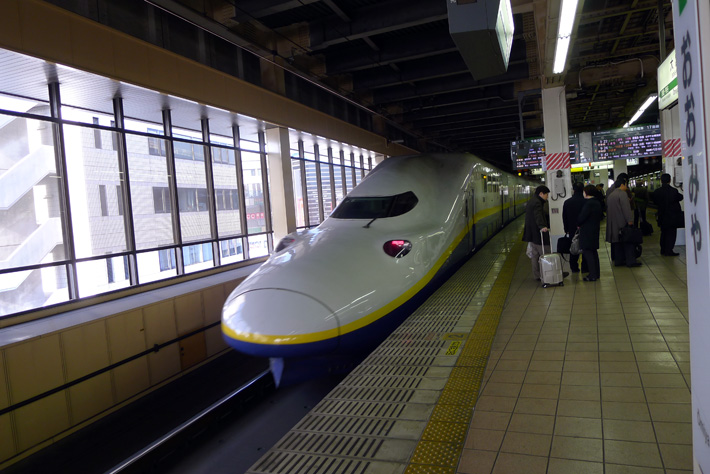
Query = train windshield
x=375 y=207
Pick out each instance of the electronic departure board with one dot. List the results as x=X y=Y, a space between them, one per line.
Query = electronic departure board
x=527 y=154
x=625 y=143
x=574 y=148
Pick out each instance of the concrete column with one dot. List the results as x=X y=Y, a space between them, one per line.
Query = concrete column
x=604 y=178
x=670 y=130
x=554 y=114
x=283 y=212
x=620 y=166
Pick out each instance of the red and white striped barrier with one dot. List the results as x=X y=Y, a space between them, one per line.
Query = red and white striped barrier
x=557 y=161
x=671 y=148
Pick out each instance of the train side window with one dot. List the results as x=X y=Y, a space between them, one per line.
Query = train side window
x=403 y=203
x=370 y=207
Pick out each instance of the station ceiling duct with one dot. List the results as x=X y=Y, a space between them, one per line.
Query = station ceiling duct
x=483 y=33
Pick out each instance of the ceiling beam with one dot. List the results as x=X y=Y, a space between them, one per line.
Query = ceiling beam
x=382 y=17
x=246 y=10
x=401 y=49
x=459 y=82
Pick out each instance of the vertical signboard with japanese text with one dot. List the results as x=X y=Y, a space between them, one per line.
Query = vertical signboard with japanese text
x=692 y=34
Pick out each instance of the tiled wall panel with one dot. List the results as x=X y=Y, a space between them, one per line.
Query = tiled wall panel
x=7 y=447
x=215 y=341
x=4 y=396
x=131 y=379
x=41 y=420
x=213 y=299
x=34 y=367
x=160 y=327
x=189 y=312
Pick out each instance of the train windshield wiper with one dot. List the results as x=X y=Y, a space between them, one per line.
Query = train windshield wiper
x=367 y=226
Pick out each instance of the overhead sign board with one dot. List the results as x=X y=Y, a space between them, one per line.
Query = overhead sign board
x=667 y=82
x=483 y=33
x=639 y=141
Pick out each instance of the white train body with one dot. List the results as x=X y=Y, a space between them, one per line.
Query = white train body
x=334 y=290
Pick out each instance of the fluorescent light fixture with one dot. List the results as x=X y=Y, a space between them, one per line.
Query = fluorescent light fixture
x=641 y=109
x=560 y=54
x=564 y=33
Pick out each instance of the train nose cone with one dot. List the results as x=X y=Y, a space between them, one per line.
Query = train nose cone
x=278 y=323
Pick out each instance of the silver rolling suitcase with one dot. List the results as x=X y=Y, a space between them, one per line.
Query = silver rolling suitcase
x=550 y=267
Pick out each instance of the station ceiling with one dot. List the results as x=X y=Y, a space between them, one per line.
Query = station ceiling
x=396 y=58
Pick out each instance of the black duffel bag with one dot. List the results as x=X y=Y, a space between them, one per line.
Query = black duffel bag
x=564 y=243
x=631 y=235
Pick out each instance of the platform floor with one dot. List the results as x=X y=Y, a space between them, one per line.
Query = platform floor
x=592 y=377
x=495 y=374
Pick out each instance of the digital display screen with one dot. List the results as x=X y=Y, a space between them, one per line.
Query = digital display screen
x=527 y=154
x=625 y=143
x=573 y=148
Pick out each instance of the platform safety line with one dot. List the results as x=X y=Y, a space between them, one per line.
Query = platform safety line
x=439 y=449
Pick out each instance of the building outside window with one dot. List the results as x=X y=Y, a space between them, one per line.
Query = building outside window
x=113 y=224
x=321 y=176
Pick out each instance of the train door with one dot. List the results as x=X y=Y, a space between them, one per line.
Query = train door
x=470 y=211
x=503 y=209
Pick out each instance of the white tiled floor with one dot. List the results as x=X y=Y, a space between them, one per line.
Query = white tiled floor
x=591 y=377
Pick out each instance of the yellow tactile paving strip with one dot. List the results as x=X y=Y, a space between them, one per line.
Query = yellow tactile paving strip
x=442 y=442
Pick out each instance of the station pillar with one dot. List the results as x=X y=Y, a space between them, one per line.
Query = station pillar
x=557 y=159
x=620 y=166
x=278 y=154
x=672 y=155
x=603 y=178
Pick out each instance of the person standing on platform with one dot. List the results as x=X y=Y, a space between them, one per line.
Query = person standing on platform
x=670 y=216
x=619 y=215
x=600 y=197
x=622 y=177
x=536 y=221
x=641 y=200
x=570 y=211
x=588 y=222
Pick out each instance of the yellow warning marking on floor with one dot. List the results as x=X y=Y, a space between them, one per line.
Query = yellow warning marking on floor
x=454 y=336
x=439 y=449
x=453 y=348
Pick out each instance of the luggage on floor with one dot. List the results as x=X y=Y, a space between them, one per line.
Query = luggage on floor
x=646 y=227
x=550 y=267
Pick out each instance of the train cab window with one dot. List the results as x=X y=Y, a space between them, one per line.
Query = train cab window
x=371 y=207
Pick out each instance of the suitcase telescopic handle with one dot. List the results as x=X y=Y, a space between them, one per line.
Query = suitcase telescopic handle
x=542 y=242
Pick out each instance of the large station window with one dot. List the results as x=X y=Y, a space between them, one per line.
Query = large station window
x=324 y=176
x=97 y=196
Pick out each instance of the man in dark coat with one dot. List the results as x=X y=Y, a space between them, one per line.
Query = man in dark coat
x=536 y=220
x=667 y=199
x=622 y=177
x=619 y=215
x=588 y=221
x=570 y=210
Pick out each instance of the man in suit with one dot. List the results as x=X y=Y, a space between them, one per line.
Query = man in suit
x=536 y=220
x=670 y=215
x=570 y=211
x=619 y=215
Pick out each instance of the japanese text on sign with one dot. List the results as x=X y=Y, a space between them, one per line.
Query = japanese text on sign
x=690 y=135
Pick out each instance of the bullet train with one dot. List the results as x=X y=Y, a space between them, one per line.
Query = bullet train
x=335 y=291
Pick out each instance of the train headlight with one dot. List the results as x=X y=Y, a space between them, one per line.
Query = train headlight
x=397 y=248
x=285 y=242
